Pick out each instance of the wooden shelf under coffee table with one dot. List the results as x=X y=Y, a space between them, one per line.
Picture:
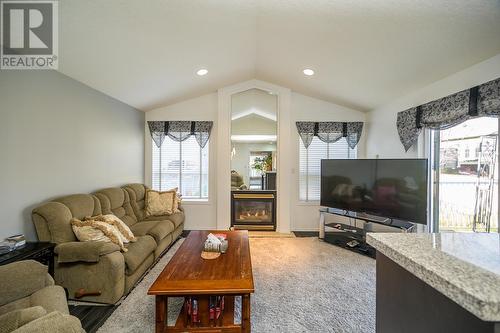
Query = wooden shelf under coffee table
x=187 y=274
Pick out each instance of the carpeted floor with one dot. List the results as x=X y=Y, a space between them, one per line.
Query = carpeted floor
x=301 y=285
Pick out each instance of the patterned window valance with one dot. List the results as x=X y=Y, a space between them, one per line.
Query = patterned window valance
x=330 y=131
x=180 y=131
x=479 y=101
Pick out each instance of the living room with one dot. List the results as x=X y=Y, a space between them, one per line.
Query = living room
x=237 y=166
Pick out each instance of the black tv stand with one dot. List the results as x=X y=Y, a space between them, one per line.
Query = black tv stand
x=350 y=231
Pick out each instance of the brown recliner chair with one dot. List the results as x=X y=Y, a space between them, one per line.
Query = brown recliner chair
x=30 y=302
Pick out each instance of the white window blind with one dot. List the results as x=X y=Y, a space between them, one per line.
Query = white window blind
x=183 y=165
x=310 y=164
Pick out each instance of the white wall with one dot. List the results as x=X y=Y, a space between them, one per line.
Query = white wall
x=59 y=137
x=199 y=215
x=383 y=140
x=253 y=125
x=305 y=215
x=253 y=100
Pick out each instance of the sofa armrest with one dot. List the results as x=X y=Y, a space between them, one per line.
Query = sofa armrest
x=106 y=276
x=83 y=251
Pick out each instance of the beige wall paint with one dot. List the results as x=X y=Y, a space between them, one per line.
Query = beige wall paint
x=383 y=139
x=59 y=137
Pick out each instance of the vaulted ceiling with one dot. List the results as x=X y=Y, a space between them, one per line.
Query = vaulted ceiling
x=365 y=53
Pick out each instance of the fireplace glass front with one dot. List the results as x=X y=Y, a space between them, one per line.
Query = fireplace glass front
x=253 y=210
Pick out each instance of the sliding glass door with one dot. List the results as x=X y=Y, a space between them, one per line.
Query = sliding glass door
x=465 y=177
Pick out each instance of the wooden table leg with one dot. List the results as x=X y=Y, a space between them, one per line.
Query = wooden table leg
x=245 y=313
x=161 y=313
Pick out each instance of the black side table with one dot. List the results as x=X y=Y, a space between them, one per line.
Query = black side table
x=42 y=252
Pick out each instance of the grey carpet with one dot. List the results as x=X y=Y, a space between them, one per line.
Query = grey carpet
x=301 y=285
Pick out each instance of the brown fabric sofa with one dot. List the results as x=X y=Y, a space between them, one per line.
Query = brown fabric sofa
x=99 y=266
x=30 y=302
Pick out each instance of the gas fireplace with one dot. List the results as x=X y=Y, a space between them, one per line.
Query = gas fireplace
x=253 y=210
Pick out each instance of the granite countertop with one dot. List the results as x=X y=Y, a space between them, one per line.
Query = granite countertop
x=465 y=267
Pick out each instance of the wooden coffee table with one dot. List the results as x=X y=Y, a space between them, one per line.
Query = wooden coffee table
x=187 y=274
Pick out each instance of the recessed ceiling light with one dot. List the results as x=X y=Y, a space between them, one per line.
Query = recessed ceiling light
x=202 y=72
x=308 y=72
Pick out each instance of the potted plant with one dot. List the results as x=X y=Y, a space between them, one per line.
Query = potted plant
x=263 y=164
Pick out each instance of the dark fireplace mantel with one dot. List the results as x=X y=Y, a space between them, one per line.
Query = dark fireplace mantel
x=253 y=210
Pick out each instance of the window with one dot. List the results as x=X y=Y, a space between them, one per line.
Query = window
x=465 y=191
x=310 y=164
x=183 y=165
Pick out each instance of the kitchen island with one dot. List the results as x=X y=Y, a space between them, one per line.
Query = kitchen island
x=444 y=282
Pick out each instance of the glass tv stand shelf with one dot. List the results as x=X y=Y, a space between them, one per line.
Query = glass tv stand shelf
x=348 y=229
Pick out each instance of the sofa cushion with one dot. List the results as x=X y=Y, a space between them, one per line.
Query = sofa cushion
x=161 y=230
x=59 y=212
x=142 y=228
x=81 y=205
x=12 y=320
x=137 y=194
x=21 y=303
x=51 y=298
x=157 y=229
x=176 y=218
x=52 y=322
x=116 y=201
x=138 y=252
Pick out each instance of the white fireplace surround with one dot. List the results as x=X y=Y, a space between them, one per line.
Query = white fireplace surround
x=284 y=147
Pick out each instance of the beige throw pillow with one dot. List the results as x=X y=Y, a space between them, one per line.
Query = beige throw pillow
x=126 y=234
x=177 y=200
x=159 y=203
x=92 y=230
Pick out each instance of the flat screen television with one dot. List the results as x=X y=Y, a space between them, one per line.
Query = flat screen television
x=392 y=188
